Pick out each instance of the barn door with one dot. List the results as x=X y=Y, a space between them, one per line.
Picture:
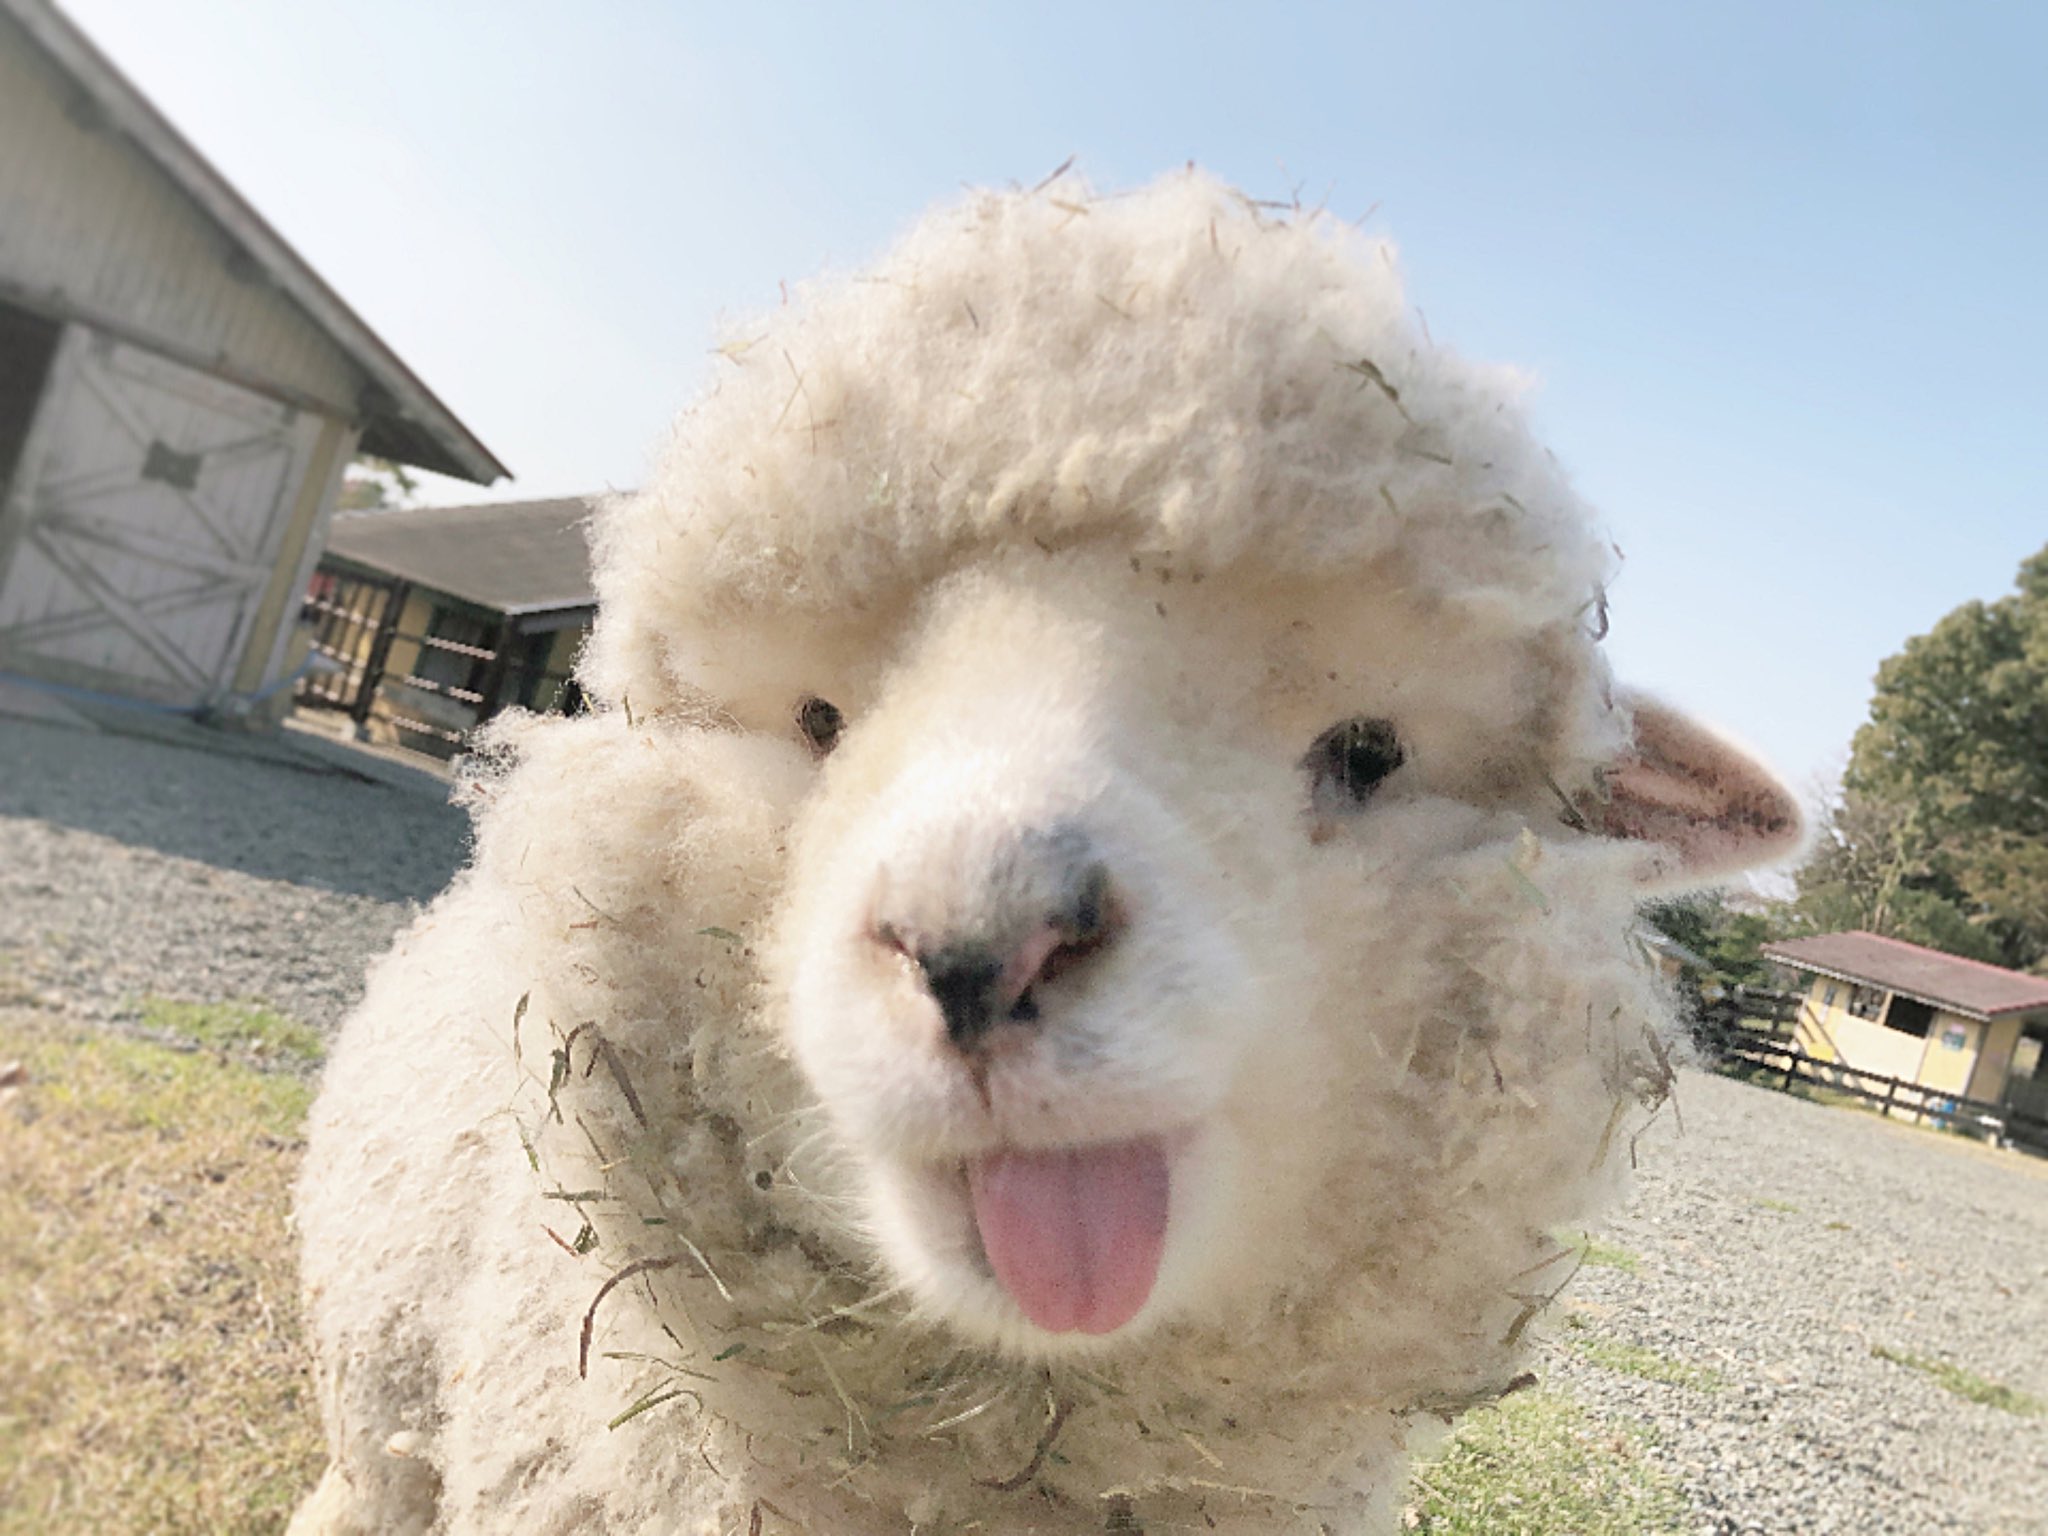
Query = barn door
x=144 y=523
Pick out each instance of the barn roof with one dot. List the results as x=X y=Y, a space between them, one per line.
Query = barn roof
x=1968 y=987
x=517 y=557
x=402 y=418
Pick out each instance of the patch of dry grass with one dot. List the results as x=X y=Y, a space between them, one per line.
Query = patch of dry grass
x=1967 y=1384
x=1626 y=1359
x=152 y=1376
x=1537 y=1464
x=247 y=1032
x=1595 y=1254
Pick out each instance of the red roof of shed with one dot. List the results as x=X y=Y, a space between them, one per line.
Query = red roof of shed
x=1947 y=981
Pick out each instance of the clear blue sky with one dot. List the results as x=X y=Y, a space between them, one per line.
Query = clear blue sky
x=1779 y=267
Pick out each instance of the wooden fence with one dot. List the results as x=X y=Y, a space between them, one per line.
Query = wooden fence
x=1778 y=1060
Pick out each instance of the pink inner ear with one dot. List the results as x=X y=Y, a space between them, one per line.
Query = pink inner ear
x=1682 y=787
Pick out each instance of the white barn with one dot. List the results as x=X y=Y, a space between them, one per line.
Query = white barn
x=179 y=394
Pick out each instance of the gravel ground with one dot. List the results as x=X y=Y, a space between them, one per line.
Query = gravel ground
x=135 y=867
x=1777 y=1244
x=1767 y=1251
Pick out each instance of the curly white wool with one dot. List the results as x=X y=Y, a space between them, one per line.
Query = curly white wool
x=635 y=1197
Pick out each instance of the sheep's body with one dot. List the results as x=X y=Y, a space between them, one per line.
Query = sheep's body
x=1091 y=518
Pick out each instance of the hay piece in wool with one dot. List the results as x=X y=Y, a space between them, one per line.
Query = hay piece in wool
x=1078 y=957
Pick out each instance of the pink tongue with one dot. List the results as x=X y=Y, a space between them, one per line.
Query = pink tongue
x=1074 y=1235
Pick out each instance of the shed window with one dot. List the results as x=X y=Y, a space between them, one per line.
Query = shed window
x=533 y=686
x=1909 y=1017
x=1868 y=1003
x=1829 y=1000
x=458 y=662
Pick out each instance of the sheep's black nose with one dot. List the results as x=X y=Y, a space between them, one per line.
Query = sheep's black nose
x=965 y=981
x=978 y=987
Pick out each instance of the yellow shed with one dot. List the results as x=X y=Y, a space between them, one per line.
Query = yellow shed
x=1961 y=1028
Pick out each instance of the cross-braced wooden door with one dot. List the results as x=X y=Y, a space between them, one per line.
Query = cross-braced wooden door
x=144 y=523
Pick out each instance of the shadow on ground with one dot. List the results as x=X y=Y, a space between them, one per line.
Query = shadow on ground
x=271 y=809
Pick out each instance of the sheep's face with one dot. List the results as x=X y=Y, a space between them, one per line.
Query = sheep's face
x=1086 y=904
x=1193 y=660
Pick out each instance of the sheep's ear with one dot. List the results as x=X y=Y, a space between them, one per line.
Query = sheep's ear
x=1709 y=806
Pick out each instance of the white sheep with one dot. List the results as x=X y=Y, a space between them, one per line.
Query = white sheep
x=1079 y=959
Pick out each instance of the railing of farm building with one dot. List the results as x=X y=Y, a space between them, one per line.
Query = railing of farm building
x=354 y=622
x=1734 y=1044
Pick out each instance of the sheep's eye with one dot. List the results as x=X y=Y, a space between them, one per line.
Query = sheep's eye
x=821 y=722
x=1350 y=759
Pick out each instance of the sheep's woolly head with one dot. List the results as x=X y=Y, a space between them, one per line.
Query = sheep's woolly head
x=1121 y=718
x=1171 y=375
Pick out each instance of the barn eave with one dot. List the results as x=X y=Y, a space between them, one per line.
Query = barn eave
x=401 y=418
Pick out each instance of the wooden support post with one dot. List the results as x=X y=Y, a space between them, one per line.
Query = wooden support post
x=380 y=650
x=493 y=686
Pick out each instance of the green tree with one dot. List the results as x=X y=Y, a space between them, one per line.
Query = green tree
x=1729 y=938
x=371 y=484
x=1941 y=835
x=1870 y=869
